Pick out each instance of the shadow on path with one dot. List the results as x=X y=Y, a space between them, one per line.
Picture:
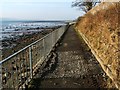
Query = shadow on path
x=71 y=65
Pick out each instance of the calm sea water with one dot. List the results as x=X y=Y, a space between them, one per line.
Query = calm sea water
x=32 y=23
x=9 y=29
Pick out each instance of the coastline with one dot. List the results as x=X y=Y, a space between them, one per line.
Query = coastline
x=15 y=44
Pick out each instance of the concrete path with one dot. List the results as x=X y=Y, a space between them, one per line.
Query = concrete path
x=75 y=67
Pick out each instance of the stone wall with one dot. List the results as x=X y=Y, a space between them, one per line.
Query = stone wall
x=100 y=29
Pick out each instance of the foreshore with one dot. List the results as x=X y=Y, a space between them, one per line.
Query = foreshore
x=13 y=45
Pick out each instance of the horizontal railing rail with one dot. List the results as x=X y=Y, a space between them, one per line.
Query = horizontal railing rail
x=17 y=69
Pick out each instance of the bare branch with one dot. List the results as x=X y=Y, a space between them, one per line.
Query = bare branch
x=85 y=5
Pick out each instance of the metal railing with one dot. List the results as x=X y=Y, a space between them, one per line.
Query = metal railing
x=18 y=68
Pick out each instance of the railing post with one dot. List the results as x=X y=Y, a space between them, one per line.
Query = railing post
x=0 y=76
x=16 y=72
x=52 y=39
x=30 y=58
x=44 y=48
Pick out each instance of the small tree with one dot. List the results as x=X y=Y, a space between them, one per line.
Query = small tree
x=84 y=5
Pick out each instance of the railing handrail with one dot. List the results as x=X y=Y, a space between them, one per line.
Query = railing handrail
x=4 y=60
x=18 y=69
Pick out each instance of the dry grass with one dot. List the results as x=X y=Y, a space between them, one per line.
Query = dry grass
x=101 y=27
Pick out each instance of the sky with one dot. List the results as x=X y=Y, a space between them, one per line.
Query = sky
x=39 y=10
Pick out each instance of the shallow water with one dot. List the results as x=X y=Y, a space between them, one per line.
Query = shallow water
x=11 y=29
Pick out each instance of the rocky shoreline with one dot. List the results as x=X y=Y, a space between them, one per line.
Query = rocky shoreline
x=12 y=45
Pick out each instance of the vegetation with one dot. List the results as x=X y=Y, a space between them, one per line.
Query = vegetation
x=85 y=5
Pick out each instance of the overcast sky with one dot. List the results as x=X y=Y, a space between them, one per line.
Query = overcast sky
x=39 y=9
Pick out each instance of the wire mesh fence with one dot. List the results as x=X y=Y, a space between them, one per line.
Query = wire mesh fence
x=18 y=68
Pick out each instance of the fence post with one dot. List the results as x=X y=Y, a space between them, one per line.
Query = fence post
x=30 y=58
x=0 y=76
x=52 y=39
x=44 y=48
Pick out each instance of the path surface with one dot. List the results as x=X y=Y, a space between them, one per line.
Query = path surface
x=76 y=67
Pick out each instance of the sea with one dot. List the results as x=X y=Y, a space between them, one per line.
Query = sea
x=11 y=29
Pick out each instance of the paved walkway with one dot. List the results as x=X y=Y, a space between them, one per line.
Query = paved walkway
x=76 y=67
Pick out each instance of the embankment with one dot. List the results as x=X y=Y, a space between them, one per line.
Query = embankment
x=101 y=31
